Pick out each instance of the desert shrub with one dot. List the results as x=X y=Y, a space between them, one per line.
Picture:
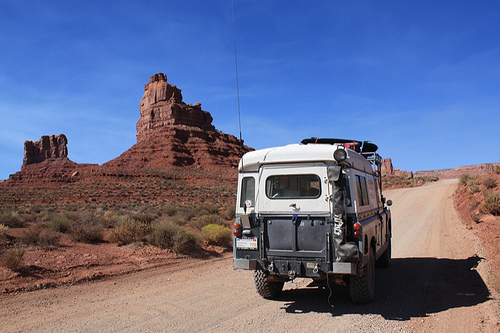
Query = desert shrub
x=86 y=228
x=207 y=209
x=144 y=217
x=112 y=218
x=489 y=183
x=11 y=219
x=129 y=231
x=12 y=259
x=86 y=233
x=464 y=178
x=35 y=209
x=492 y=204
x=476 y=217
x=3 y=233
x=217 y=234
x=58 y=222
x=204 y=220
x=169 y=235
x=473 y=188
x=186 y=213
x=497 y=169
x=170 y=210
x=186 y=242
x=228 y=213
x=39 y=235
x=163 y=234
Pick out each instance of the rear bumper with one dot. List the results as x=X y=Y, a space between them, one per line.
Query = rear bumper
x=245 y=264
x=344 y=268
x=302 y=268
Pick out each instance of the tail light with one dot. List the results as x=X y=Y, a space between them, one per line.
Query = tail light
x=237 y=229
x=357 y=230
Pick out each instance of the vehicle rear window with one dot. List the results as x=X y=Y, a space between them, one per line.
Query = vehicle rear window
x=247 y=191
x=293 y=186
x=362 y=191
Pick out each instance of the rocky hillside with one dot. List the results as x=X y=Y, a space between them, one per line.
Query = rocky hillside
x=474 y=170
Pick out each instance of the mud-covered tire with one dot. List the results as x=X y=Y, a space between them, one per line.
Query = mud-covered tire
x=266 y=288
x=385 y=259
x=362 y=286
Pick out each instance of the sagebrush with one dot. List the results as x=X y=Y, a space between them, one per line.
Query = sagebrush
x=492 y=204
x=12 y=259
x=39 y=235
x=129 y=231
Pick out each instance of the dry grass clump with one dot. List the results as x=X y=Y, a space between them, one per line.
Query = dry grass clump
x=11 y=219
x=228 y=213
x=170 y=235
x=492 y=204
x=144 y=217
x=86 y=228
x=12 y=259
x=489 y=183
x=207 y=209
x=464 y=179
x=59 y=222
x=129 y=231
x=3 y=233
x=204 y=220
x=217 y=234
x=39 y=235
x=170 y=210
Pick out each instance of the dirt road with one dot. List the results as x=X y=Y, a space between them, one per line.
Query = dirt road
x=432 y=285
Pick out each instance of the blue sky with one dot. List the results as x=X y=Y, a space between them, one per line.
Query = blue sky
x=419 y=78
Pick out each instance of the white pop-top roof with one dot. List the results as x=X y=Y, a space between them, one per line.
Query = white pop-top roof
x=296 y=153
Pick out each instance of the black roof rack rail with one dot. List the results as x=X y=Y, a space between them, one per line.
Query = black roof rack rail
x=359 y=146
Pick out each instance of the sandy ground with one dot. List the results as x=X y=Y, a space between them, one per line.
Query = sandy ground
x=435 y=283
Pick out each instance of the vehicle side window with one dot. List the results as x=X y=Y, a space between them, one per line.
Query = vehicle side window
x=362 y=191
x=293 y=186
x=347 y=193
x=377 y=194
x=247 y=191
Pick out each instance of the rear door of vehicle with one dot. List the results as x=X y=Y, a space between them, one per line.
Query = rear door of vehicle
x=293 y=202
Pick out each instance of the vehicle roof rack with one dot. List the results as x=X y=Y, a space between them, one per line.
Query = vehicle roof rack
x=363 y=147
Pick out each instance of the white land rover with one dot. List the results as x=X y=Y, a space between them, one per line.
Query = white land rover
x=312 y=210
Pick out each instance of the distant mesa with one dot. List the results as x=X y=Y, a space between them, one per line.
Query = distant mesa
x=389 y=170
x=473 y=170
x=47 y=148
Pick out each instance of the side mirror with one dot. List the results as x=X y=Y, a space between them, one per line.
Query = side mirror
x=389 y=202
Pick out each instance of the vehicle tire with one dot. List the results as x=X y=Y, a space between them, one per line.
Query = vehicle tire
x=362 y=286
x=385 y=259
x=266 y=288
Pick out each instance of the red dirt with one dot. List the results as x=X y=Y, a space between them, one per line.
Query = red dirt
x=488 y=226
x=73 y=263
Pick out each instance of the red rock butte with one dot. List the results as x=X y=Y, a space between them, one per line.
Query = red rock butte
x=171 y=132
x=47 y=148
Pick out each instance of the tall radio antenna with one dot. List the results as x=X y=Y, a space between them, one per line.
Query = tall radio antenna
x=237 y=81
